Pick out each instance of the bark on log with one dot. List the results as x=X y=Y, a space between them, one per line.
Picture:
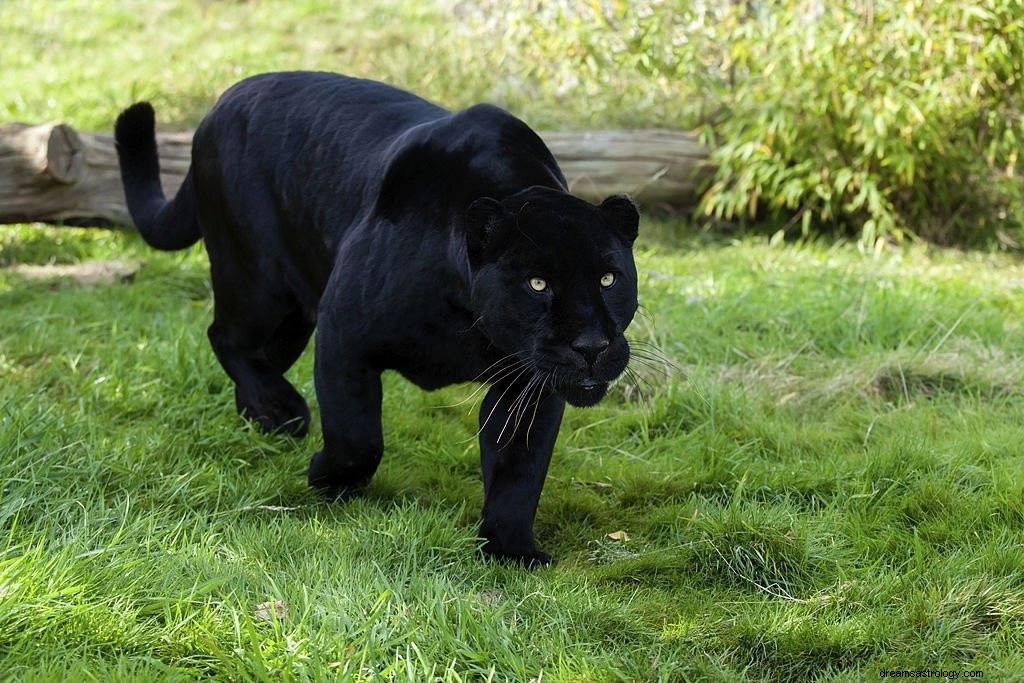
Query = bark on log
x=655 y=166
x=53 y=174
x=50 y=173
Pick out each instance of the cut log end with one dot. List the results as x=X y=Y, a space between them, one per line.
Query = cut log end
x=65 y=157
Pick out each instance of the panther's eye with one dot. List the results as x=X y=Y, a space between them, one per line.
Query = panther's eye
x=538 y=284
x=607 y=280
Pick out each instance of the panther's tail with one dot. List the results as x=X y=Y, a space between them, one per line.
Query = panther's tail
x=166 y=225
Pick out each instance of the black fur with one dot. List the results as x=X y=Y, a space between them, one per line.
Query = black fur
x=413 y=239
x=164 y=225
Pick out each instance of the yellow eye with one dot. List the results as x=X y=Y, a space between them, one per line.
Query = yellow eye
x=607 y=280
x=538 y=284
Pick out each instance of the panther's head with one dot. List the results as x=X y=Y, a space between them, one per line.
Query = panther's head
x=554 y=285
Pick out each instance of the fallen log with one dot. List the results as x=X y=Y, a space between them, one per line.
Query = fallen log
x=655 y=166
x=51 y=173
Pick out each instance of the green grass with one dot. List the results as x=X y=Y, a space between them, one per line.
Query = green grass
x=82 y=61
x=830 y=482
x=830 y=485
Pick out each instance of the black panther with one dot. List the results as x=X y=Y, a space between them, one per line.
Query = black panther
x=443 y=245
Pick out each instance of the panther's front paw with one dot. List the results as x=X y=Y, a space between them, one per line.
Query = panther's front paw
x=325 y=478
x=529 y=559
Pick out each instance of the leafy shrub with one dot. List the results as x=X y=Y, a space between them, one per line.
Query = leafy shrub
x=878 y=118
x=901 y=119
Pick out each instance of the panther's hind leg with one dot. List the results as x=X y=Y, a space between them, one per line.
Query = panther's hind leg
x=289 y=340
x=259 y=323
x=256 y=339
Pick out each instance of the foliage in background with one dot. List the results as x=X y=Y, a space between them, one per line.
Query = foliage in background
x=880 y=118
x=883 y=117
x=874 y=118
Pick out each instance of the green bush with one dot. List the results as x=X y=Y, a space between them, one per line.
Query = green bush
x=901 y=119
x=880 y=118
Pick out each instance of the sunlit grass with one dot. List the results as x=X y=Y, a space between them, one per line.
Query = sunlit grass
x=830 y=483
x=82 y=61
x=826 y=481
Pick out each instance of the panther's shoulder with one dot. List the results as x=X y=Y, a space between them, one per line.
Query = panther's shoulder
x=479 y=151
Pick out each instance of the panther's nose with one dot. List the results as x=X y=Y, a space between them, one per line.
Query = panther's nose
x=590 y=347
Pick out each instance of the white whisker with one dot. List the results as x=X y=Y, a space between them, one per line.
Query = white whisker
x=512 y=382
x=497 y=376
x=535 y=383
x=514 y=409
x=536 y=404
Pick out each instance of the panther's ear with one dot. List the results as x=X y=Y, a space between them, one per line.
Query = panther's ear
x=482 y=219
x=625 y=217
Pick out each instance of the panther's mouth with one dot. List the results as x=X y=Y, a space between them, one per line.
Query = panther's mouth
x=584 y=393
x=583 y=384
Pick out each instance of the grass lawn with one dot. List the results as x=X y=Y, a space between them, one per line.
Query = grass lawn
x=832 y=483
x=827 y=483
